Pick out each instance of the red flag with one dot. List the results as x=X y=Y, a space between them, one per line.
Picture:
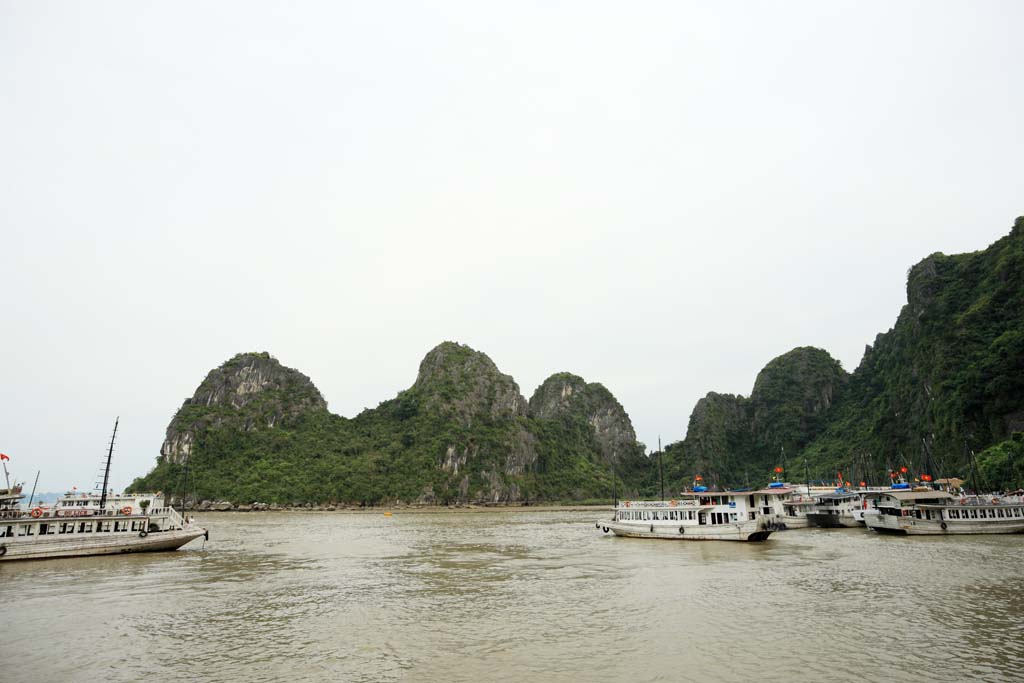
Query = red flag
x=3 y=456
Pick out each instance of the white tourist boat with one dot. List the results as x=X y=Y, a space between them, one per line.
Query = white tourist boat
x=90 y=523
x=926 y=512
x=836 y=509
x=784 y=506
x=77 y=525
x=694 y=516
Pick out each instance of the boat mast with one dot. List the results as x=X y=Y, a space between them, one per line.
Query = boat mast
x=32 y=497
x=661 y=472
x=106 y=472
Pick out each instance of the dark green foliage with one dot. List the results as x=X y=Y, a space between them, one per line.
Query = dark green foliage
x=1002 y=466
x=461 y=433
x=737 y=441
x=948 y=377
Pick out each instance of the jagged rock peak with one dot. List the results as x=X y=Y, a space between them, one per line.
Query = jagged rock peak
x=566 y=394
x=244 y=377
x=458 y=379
x=249 y=391
x=813 y=371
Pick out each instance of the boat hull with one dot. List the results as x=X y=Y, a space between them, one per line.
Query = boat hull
x=787 y=522
x=826 y=521
x=911 y=526
x=747 y=531
x=157 y=541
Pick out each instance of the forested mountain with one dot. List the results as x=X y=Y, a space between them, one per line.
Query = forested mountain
x=947 y=380
x=255 y=430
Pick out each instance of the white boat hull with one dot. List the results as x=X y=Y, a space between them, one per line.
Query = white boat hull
x=793 y=521
x=674 y=531
x=97 y=544
x=933 y=527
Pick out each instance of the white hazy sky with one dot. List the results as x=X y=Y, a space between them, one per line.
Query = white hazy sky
x=661 y=197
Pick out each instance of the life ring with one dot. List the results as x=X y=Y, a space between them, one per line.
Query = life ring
x=626 y=503
x=682 y=530
x=37 y=512
x=943 y=526
x=3 y=550
x=673 y=503
x=126 y=510
x=143 y=533
x=995 y=501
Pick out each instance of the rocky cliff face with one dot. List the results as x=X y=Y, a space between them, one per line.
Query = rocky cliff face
x=249 y=392
x=951 y=370
x=483 y=421
x=466 y=385
x=791 y=397
x=732 y=437
x=717 y=438
x=462 y=433
x=566 y=395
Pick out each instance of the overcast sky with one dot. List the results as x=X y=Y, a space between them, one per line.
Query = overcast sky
x=661 y=197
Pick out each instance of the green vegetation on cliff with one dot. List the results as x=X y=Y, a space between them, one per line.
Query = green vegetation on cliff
x=946 y=380
x=736 y=441
x=949 y=376
x=258 y=431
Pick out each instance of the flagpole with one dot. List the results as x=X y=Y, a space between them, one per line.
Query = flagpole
x=7 y=477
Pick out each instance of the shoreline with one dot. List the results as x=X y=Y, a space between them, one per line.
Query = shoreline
x=419 y=509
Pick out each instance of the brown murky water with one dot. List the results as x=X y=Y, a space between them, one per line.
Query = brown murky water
x=512 y=596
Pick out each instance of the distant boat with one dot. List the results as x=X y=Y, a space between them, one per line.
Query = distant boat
x=936 y=513
x=700 y=515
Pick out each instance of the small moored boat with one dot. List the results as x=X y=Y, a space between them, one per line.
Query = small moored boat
x=694 y=516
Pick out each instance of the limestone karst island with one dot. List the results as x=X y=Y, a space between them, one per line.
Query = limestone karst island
x=944 y=384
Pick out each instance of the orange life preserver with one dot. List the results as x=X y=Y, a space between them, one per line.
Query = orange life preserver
x=673 y=503
x=626 y=503
x=126 y=510
x=37 y=512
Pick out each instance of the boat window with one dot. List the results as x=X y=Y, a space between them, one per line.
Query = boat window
x=732 y=516
x=24 y=529
x=8 y=531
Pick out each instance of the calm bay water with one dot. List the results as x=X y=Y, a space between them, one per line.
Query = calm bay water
x=506 y=596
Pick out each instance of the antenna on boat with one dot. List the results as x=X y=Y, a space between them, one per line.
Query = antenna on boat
x=106 y=472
